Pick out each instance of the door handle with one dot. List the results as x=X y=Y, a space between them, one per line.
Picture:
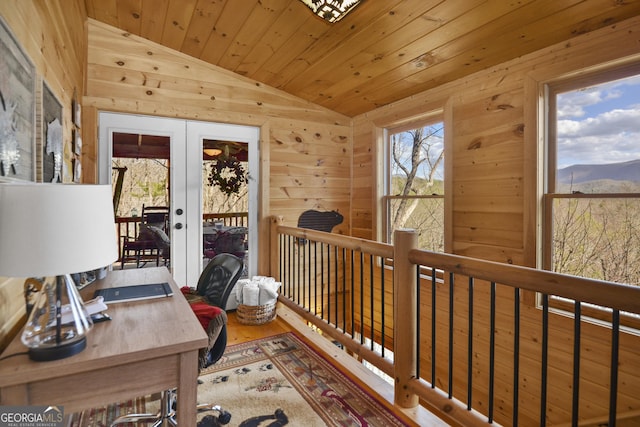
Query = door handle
x=179 y=226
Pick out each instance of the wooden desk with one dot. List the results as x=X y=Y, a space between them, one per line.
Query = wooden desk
x=149 y=346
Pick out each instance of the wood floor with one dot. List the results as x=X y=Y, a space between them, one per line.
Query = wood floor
x=239 y=333
x=287 y=321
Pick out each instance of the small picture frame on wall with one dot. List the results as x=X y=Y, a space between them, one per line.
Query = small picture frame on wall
x=52 y=136
x=77 y=142
x=76 y=111
x=77 y=171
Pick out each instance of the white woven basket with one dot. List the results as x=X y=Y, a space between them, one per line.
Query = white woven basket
x=256 y=314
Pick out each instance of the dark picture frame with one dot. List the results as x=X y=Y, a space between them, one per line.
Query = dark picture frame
x=17 y=109
x=52 y=136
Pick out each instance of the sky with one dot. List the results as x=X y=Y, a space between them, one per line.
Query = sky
x=600 y=124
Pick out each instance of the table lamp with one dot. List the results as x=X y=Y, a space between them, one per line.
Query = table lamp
x=55 y=230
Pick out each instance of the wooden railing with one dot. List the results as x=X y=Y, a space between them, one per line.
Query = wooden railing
x=129 y=226
x=466 y=344
x=228 y=219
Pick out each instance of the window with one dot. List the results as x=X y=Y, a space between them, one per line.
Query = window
x=414 y=187
x=592 y=195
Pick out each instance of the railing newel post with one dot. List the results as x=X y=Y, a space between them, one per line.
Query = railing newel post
x=405 y=312
x=274 y=270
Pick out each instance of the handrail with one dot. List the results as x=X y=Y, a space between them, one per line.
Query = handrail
x=352 y=243
x=620 y=296
x=361 y=269
x=127 y=226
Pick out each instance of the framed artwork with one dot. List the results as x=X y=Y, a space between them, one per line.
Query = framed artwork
x=77 y=171
x=77 y=142
x=76 y=110
x=77 y=155
x=17 y=109
x=52 y=136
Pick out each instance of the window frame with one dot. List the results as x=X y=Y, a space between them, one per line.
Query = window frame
x=427 y=119
x=550 y=195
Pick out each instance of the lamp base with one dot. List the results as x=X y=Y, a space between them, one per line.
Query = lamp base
x=45 y=354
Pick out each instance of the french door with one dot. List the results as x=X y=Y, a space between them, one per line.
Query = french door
x=185 y=176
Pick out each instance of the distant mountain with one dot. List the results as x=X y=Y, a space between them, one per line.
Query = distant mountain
x=576 y=174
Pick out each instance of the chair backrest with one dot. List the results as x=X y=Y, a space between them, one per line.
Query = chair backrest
x=231 y=241
x=161 y=240
x=218 y=279
x=157 y=216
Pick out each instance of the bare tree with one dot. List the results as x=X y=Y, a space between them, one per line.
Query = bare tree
x=416 y=156
x=597 y=238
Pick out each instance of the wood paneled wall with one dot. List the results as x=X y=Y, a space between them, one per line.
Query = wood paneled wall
x=315 y=158
x=305 y=150
x=492 y=133
x=493 y=143
x=53 y=35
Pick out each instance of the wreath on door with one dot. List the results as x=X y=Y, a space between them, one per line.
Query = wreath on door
x=227 y=174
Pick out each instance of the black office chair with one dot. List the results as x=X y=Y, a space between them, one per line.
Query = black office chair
x=214 y=287
x=218 y=279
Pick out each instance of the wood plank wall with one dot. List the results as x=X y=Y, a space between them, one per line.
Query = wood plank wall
x=305 y=150
x=53 y=35
x=492 y=129
x=491 y=133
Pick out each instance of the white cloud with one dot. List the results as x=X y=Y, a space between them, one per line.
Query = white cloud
x=614 y=122
x=573 y=104
x=600 y=124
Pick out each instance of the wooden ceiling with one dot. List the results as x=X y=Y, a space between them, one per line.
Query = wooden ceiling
x=383 y=51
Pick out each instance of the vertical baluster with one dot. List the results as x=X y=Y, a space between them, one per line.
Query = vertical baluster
x=307 y=286
x=450 y=385
x=544 y=360
x=344 y=255
x=382 y=308
x=418 y=267
x=344 y=290
x=286 y=284
x=290 y=263
x=516 y=353
x=300 y=252
x=576 y=363
x=371 y=308
x=322 y=286
x=470 y=348
x=303 y=276
x=615 y=343
x=433 y=327
x=313 y=277
x=492 y=351
x=281 y=264
x=361 y=295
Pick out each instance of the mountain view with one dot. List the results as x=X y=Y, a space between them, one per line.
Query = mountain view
x=577 y=174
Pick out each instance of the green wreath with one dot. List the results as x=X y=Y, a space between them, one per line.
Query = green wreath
x=228 y=174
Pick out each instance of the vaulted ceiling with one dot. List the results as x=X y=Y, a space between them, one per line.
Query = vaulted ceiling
x=383 y=51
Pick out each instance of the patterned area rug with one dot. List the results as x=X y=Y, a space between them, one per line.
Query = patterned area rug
x=274 y=381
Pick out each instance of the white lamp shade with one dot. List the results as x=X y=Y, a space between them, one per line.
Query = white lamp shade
x=55 y=229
